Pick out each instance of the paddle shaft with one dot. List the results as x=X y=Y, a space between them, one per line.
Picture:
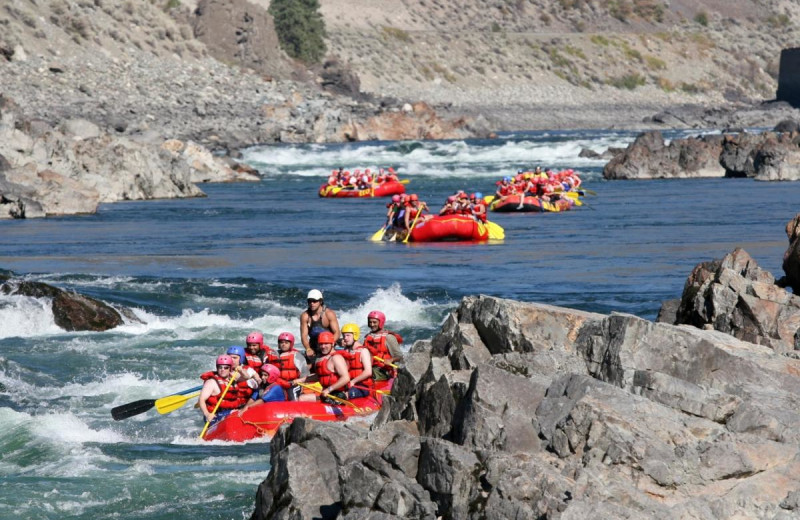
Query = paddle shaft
x=329 y=396
x=385 y=362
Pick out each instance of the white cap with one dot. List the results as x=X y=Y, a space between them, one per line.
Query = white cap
x=314 y=294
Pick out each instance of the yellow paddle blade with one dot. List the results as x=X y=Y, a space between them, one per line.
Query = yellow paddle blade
x=571 y=194
x=173 y=402
x=378 y=236
x=496 y=232
x=405 y=181
x=488 y=199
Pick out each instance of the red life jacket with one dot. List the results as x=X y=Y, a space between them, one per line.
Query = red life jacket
x=254 y=361
x=375 y=342
x=327 y=377
x=354 y=365
x=235 y=397
x=285 y=363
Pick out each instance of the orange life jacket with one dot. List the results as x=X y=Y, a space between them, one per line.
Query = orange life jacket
x=327 y=377
x=354 y=365
x=285 y=363
x=236 y=396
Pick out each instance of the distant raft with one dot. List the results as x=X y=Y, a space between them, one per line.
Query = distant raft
x=384 y=189
x=449 y=228
x=512 y=203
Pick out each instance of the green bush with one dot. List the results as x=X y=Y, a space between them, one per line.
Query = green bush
x=628 y=81
x=300 y=28
x=701 y=18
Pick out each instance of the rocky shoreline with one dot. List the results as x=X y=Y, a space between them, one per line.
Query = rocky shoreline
x=522 y=410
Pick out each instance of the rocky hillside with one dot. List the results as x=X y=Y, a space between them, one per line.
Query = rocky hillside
x=547 y=55
x=210 y=70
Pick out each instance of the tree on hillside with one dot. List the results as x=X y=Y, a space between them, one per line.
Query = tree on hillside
x=300 y=28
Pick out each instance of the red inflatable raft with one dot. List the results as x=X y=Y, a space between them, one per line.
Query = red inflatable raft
x=511 y=203
x=384 y=189
x=449 y=228
x=265 y=419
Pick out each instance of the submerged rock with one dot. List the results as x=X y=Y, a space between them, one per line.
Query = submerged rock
x=72 y=311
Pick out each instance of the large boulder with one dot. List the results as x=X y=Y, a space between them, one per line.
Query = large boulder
x=649 y=157
x=735 y=296
x=72 y=311
x=791 y=258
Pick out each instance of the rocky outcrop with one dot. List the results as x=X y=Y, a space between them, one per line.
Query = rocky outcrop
x=518 y=410
x=649 y=157
x=769 y=156
x=71 y=311
x=791 y=258
x=735 y=296
x=72 y=169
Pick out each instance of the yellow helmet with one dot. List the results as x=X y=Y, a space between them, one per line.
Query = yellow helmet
x=352 y=327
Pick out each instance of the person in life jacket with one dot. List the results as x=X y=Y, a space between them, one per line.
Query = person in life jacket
x=414 y=207
x=479 y=208
x=448 y=208
x=270 y=391
x=256 y=351
x=382 y=344
x=249 y=379
x=330 y=369
x=359 y=362
x=291 y=364
x=213 y=388
x=316 y=319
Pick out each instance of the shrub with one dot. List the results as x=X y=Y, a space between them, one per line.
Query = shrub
x=655 y=63
x=628 y=81
x=701 y=18
x=300 y=28
x=396 y=33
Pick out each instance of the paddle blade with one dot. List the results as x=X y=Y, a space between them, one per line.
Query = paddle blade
x=378 y=236
x=129 y=410
x=173 y=402
x=495 y=231
x=405 y=181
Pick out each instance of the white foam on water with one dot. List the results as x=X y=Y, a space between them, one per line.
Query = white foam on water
x=398 y=309
x=25 y=317
x=189 y=325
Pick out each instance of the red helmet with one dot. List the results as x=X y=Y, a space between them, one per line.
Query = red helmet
x=225 y=359
x=272 y=372
x=378 y=315
x=255 y=337
x=325 y=337
x=451 y=198
x=413 y=197
x=286 y=336
x=395 y=198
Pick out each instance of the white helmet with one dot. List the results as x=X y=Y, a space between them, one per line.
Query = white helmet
x=314 y=294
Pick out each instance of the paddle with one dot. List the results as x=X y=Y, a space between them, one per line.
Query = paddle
x=368 y=389
x=496 y=232
x=488 y=199
x=219 y=401
x=416 y=217
x=404 y=181
x=138 y=407
x=329 y=396
x=588 y=192
x=385 y=362
x=172 y=402
x=378 y=235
